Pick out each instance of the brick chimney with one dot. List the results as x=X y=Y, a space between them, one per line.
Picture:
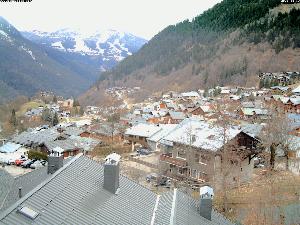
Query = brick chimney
x=111 y=173
x=55 y=162
x=206 y=196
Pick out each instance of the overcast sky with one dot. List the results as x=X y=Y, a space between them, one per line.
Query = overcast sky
x=144 y=18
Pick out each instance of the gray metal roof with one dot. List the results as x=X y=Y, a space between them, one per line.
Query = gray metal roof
x=176 y=207
x=73 y=131
x=75 y=195
x=186 y=212
x=9 y=186
x=73 y=142
x=163 y=213
x=36 y=137
x=6 y=180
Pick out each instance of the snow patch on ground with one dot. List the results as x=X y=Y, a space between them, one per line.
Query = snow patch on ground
x=29 y=52
x=58 y=45
x=3 y=33
x=6 y=36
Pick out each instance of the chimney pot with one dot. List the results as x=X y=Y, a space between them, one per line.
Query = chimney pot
x=20 y=192
x=111 y=173
x=55 y=162
x=206 y=196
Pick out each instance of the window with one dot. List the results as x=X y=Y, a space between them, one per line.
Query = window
x=181 y=154
x=194 y=173
x=181 y=171
x=197 y=158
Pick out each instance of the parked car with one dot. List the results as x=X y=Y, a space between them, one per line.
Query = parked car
x=10 y=161
x=152 y=177
x=18 y=162
x=36 y=164
x=44 y=162
x=28 y=163
x=143 y=151
x=164 y=181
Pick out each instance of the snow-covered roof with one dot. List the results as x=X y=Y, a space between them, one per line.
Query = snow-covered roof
x=296 y=90
x=253 y=130
x=81 y=123
x=9 y=147
x=225 y=91
x=165 y=130
x=295 y=101
x=206 y=108
x=177 y=115
x=201 y=134
x=143 y=130
x=251 y=111
x=190 y=94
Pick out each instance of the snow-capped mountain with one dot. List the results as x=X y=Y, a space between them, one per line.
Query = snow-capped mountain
x=26 y=68
x=103 y=47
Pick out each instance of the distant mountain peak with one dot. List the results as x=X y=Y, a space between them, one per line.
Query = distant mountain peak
x=110 y=45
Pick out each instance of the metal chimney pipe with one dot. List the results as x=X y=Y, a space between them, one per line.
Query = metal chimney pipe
x=20 y=192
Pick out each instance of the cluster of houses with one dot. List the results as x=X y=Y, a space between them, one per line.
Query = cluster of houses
x=65 y=139
x=184 y=128
x=118 y=92
x=61 y=107
x=282 y=78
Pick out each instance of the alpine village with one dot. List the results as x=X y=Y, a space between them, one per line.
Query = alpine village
x=198 y=125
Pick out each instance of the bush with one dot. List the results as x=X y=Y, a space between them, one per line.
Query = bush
x=37 y=155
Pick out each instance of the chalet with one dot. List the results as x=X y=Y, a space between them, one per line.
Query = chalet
x=67 y=104
x=254 y=113
x=72 y=146
x=140 y=132
x=205 y=110
x=193 y=151
x=196 y=111
x=225 y=92
x=190 y=95
x=281 y=89
x=153 y=141
x=175 y=117
x=45 y=140
x=171 y=106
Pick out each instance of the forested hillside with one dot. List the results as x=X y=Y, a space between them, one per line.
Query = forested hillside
x=220 y=46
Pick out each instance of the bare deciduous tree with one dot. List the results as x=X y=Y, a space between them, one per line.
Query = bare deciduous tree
x=275 y=136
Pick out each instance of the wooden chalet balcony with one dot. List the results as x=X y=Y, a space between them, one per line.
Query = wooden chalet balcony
x=184 y=177
x=175 y=161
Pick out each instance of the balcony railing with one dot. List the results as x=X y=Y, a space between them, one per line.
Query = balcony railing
x=175 y=161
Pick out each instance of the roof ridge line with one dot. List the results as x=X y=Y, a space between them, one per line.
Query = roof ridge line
x=154 y=210
x=172 y=217
x=20 y=201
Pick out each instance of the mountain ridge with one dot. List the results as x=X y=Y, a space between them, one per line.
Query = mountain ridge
x=27 y=66
x=219 y=47
x=107 y=47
